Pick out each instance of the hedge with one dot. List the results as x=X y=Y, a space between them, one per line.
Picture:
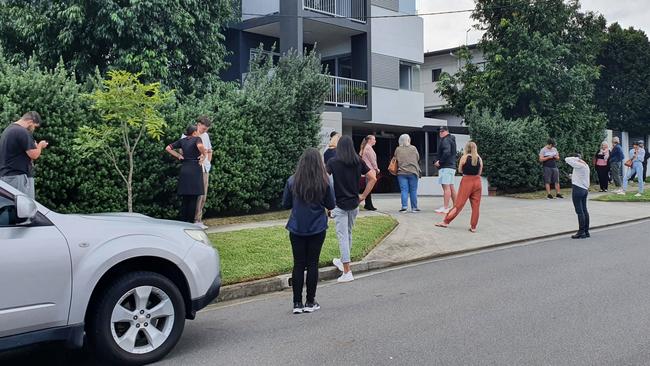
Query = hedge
x=258 y=133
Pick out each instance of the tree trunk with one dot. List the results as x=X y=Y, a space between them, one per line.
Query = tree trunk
x=129 y=183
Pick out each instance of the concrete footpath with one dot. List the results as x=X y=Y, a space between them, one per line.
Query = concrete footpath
x=503 y=221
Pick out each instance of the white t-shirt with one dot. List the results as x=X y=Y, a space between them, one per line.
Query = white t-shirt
x=580 y=175
x=205 y=139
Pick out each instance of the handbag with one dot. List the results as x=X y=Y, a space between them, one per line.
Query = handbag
x=392 y=167
x=629 y=163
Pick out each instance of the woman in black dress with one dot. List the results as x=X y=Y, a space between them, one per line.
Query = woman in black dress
x=190 y=180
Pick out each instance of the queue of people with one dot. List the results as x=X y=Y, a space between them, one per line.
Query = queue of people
x=335 y=184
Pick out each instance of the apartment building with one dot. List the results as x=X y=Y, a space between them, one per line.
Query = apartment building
x=373 y=53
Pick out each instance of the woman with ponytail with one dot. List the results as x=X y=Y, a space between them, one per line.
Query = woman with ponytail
x=471 y=166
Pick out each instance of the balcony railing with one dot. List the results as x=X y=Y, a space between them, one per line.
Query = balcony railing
x=352 y=9
x=349 y=93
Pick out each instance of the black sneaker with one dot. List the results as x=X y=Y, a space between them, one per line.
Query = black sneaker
x=370 y=208
x=587 y=235
x=298 y=308
x=402 y=210
x=559 y=195
x=416 y=210
x=579 y=235
x=310 y=307
x=549 y=197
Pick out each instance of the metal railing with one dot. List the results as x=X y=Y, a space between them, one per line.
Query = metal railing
x=347 y=93
x=352 y=9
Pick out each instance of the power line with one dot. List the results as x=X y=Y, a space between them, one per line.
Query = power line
x=361 y=17
x=386 y=16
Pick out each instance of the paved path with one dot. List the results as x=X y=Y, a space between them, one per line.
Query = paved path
x=503 y=220
x=262 y=224
x=559 y=302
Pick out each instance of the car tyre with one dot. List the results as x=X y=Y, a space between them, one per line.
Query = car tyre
x=137 y=320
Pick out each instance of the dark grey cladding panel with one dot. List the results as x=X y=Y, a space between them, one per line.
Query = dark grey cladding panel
x=388 y=4
x=385 y=71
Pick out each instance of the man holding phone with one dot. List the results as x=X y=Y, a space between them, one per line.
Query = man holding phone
x=18 y=150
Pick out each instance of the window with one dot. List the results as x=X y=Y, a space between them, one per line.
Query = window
x=435 y=75
x=7 y=212
x=405 y=76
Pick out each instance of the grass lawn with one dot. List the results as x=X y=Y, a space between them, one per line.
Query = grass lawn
x=268 y=216
x=538 y=195
x=629 y=197
x=259 y=253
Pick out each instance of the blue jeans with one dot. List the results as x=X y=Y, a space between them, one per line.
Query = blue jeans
x=638 y=168
x=408 y=185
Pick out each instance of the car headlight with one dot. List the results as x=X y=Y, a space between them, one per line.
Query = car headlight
x=199 y=235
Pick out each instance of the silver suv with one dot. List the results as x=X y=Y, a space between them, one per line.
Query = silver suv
x=125 y=281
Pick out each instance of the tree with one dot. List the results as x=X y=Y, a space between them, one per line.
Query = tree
x=179 y=42
x=284 y=101
x=541 y=63
x=130 y=111
x=623 y=90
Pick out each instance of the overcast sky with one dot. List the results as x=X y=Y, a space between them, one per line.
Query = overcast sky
x=450 y=30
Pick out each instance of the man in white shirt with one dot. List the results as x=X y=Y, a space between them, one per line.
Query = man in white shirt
x=203 y=124
x=580 y=191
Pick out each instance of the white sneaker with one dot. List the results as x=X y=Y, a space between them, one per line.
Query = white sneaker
x=440 y=210
x=622 y=193
x=346 y=277
x=202 y=225
x=446 y=210
x=638 y=195
x=337 y=262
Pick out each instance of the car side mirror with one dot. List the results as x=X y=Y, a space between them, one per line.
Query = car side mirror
x=25 y=209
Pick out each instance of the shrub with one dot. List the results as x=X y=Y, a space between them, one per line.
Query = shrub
x=510 y=149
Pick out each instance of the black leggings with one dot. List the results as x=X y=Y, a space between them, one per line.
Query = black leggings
x=188 y=208
x=579 y=196
x=306 y=252
x=603 y=176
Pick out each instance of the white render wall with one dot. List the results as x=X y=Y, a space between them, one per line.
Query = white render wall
x=398 y=37
x=449 y=64
x=402 y=39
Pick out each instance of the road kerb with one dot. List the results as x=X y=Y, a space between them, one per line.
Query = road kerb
x=283 y=282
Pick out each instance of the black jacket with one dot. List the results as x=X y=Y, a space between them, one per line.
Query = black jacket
x=447 y=152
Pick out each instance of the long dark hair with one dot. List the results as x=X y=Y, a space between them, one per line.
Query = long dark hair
x=345 y=151
x=310 y=180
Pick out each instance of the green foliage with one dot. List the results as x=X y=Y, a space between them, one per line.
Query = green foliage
x=284 y=104
x=129 y=112
x=541 y=64
x=62 y=175
x=179 y=42
x=258 y=133
x=510 y=149
x=623 y=90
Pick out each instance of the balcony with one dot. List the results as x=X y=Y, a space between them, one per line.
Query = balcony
x=354 y=10
x=347 y=93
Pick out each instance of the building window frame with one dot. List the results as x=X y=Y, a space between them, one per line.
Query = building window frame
x=435 y=75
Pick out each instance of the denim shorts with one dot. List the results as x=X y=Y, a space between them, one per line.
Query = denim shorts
x=446 y=176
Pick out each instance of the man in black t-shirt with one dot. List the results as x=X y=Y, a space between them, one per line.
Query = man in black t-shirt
x=346 y=169
x=18 y=150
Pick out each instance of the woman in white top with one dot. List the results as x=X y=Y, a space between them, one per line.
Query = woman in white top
x=580 y=191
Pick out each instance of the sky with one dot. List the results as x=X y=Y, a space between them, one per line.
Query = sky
x=450 y=30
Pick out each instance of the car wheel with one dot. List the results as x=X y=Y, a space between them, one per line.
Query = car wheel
x=137 y=320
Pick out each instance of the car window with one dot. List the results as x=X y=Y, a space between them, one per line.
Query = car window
x=7 y=211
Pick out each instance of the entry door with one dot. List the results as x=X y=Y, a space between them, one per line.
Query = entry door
x=35 y=274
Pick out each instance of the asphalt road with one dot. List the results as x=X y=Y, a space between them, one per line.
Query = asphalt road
x=558 y=302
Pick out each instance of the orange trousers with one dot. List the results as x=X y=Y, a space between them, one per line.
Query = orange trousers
x=470 y=189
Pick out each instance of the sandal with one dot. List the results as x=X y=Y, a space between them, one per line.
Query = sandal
x=472 y=230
